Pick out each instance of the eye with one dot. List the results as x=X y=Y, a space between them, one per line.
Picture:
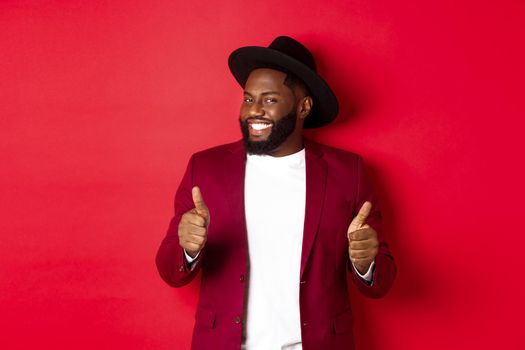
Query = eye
x=270 y=100
x=247 y=99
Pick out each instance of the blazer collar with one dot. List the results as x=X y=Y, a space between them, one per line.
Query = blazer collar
x=316 y=171
x=310 y=146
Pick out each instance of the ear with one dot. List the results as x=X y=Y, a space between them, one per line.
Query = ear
x=305 y=106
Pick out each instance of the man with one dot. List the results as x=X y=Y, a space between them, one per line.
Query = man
x=275 y=222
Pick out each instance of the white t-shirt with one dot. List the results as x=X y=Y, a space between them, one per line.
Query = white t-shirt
x=274 y=199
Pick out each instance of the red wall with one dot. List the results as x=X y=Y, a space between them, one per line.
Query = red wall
x=102 y=103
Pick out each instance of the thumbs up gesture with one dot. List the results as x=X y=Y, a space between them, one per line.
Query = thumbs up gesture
x=193 y=226
x=362 y=240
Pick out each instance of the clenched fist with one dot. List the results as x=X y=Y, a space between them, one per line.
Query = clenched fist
x=193 y=226
x=362 y=240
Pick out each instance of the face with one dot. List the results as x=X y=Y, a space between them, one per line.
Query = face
x=270 y=119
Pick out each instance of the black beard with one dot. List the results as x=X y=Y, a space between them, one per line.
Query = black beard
x=281 y=130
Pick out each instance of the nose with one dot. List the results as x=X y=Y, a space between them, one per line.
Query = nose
x=256 y=109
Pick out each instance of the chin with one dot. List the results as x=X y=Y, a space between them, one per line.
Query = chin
x=255 y=139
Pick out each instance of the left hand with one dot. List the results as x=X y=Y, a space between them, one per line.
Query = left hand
x=362 y=240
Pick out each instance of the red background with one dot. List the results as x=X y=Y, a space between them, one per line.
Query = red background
x=103 y=102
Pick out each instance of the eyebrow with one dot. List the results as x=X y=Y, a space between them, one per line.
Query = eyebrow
x=264 y=93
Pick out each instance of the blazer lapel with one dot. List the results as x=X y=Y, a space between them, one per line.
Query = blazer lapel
x=316 y=170
x=235 y=163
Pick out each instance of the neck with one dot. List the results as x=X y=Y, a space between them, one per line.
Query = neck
x=293 y=144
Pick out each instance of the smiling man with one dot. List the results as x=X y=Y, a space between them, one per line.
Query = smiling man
x=276 y=223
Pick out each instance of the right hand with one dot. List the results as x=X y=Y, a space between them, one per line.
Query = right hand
x=362 y=240
x=193 y=226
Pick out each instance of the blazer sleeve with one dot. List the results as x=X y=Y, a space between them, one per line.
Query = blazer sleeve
x=385 y=267
x=170 y=260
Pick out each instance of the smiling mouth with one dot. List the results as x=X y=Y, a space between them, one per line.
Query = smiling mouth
x=260 y=126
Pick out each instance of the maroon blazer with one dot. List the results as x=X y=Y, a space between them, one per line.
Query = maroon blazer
x=336 y=187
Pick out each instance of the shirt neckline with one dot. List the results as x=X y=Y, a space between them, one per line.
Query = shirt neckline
x=294 y=158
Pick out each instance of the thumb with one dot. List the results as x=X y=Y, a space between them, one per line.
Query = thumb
x=201 y=207
x=361 y=217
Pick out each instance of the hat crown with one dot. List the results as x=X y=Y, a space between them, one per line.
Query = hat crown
x=294 y=49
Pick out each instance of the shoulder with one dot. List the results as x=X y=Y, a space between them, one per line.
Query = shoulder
x=333 y=154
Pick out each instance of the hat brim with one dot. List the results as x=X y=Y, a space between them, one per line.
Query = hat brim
x=325 y=106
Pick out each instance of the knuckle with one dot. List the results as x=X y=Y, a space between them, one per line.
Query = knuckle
x=182 y=230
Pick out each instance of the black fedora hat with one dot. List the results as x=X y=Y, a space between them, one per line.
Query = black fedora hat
x=289 y=56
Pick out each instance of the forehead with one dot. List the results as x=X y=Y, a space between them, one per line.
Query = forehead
x=265 y=78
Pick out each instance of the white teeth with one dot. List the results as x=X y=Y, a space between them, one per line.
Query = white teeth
x=259 y=126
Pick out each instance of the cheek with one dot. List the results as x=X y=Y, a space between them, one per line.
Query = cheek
x=278 y=112
x=243 y=112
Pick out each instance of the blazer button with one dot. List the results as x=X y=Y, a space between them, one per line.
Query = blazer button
x=241 y=278
x=237 y=319
x=305 y=324
x=302 y=282
x=181 y=268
